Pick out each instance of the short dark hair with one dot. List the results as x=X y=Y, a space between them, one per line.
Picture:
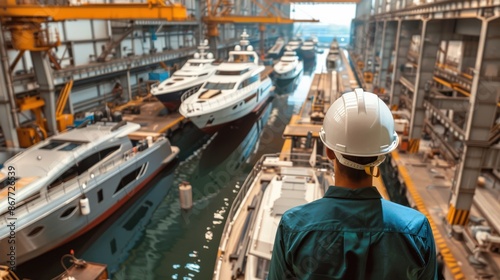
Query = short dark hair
x=355 y=175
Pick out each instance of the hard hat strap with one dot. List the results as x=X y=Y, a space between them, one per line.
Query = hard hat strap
x=369 y=170
x=355 y=165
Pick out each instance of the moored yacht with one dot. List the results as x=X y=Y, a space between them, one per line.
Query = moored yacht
x=294 y=45
x=65 y=185
x=332 y=60
x=277 y=49
x=308 y=49
x=186 y=80
x=289 y=67
x=238 y=87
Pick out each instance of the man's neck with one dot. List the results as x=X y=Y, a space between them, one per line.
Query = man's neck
x=341 y=181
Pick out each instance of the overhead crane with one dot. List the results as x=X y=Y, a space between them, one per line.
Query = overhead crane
x=26 y=20
x=220 y=13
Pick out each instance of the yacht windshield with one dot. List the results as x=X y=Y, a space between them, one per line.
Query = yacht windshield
x=210 y=85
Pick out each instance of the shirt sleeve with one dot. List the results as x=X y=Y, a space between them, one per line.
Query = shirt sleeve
x=278 y=269
x=430 y=270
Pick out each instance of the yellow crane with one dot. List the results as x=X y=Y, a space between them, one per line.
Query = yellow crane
x=25 y=20
x=221 y=12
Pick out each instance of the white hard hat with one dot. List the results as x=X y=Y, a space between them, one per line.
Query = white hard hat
x=359 y=124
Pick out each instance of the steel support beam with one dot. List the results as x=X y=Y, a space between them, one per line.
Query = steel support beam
x=45 y=80
x=389 y=37
x=403 y=40
x=8 y=119
x=429 y=45
x=485 y=93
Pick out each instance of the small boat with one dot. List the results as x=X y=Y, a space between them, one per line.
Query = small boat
x=289 y=67
x=277 y=49
x=273 y=186
x=308 y=49
x=333 y=57
x=186 y=80
x=239 y=86
x=67 y=184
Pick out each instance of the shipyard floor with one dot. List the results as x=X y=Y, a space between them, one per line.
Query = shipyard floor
x=152 y=238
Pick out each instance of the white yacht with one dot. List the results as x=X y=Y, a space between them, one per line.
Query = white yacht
x=277 y=49
x=238 y=87
x=308 y=49
x=67 y=184
x=186 y=80
x=333 y=57
x=289 y=66
x=273 y=186
x=294 y=45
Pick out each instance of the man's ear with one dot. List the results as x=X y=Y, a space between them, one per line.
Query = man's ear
x=330 y=154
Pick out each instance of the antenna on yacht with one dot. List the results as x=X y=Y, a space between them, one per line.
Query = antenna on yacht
x=203 y=47
x=244 y=38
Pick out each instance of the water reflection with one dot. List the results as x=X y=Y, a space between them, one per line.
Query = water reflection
x=180 y=244
x=288 y=87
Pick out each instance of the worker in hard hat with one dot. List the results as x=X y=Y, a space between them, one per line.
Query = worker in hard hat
x=352 y=233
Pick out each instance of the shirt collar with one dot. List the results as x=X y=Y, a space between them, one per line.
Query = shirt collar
x=362 y=193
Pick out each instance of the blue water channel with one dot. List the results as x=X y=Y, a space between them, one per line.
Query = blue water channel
x=152 y=238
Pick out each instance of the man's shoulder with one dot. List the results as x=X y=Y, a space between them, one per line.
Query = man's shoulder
x=405 y=218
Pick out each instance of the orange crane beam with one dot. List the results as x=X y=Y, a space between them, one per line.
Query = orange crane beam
x=253 y=19
x=317 y=1
x=25 y=21
x=174 y=12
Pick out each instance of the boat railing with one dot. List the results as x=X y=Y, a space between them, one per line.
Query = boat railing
x=321 y=164
x=76 y=185
x=244 y=188
x=215 y=102
x=188 y=93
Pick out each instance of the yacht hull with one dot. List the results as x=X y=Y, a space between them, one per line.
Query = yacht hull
x=211 y=122
x=60 y=222
x=172 y=100
x=308 y=54
x=289 y=75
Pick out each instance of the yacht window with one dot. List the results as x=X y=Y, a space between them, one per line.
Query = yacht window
x=100 y=196
x=69 y=174
x=35 y=231
x=70 y=147
x=53 y=144
x=68 y=212
x=204 y=74
x=195 y=64
x=94 y=158
x=231 y=73
x=127 y=179
x=210 y=85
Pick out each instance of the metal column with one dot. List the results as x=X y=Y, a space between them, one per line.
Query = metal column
x=429 y=46
x=403 y=40
x=9 y=119
x=43 y=76
x=483 y=103
x=389 y=37
x=377 y=48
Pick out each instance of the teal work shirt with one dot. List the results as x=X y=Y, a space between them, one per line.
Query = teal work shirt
x=353 y=234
